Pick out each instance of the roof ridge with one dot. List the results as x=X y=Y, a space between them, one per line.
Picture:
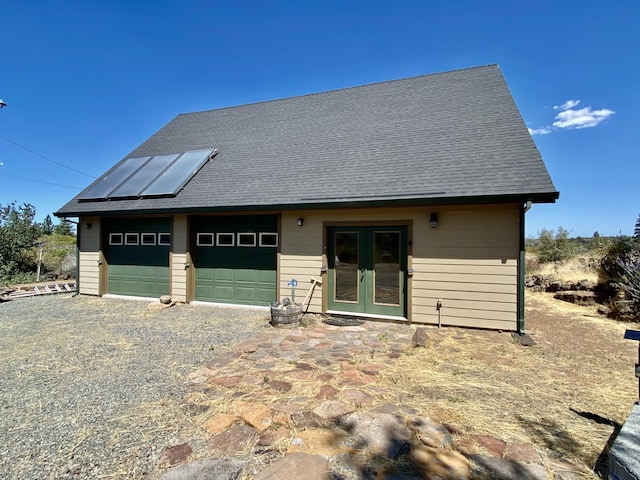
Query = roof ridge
x=402 y=79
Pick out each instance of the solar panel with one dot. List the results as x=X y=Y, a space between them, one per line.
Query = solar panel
x=160 y=175
x=146 y=174
x=112 y=180
x=178 y=173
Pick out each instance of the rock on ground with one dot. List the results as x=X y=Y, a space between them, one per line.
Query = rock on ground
x=225 y=468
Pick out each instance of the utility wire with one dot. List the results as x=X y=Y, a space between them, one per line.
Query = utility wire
x=39 y=181
x=46 y=158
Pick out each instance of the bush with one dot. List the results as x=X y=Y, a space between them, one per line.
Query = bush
x=554 y=248
x=621 y=262
x=615 y=253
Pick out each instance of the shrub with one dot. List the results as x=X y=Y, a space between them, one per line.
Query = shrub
x=554 y=247
x=616 y=253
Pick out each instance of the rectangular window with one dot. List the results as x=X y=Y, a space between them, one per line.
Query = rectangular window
x=164 y=239
x=131 y=239
x=115 y=239
x=148 y=238
x=268 y=239
x=246 y=239
x=224 y=239
x=205 y=240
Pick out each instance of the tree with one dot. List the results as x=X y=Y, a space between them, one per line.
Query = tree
x=46 y=227
x=554 y=247
x=63 y=228
x=56 y=251
x=18 y=233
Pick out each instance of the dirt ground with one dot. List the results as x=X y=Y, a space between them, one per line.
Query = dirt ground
x=568 y=395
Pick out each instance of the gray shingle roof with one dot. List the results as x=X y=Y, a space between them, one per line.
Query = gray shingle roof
x=451 y=137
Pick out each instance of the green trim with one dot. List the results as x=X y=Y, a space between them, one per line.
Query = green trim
x=549 y=197
x=363 y=274
x=521 y=272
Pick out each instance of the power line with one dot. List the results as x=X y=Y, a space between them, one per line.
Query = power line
x=46 y=158
x=39 y=181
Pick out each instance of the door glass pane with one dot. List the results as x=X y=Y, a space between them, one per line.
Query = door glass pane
x=346 y=266
x=386 y=257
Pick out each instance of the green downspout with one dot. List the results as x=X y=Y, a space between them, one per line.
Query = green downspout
x=521 y=269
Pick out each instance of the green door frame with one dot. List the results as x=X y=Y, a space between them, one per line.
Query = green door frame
x=363 y=264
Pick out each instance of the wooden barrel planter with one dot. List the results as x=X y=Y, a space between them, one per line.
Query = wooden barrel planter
x=286 y=315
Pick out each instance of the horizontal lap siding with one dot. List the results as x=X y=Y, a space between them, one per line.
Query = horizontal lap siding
x=301 y=246
x=179 y=258
x=89 y=256
x=178 y=277
x=468 y=263
x=301 y=258
x=89 y=273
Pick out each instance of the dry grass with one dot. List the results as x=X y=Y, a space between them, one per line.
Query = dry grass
x=573 y=270
x=563 y=395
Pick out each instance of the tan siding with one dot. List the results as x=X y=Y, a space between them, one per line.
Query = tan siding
x=179 y=257
x=89 y=268
x=466 y=287
x=469 y=262
x=467 y=304
x=89 y=237
x=301 y=257
x=452 y=312
x=466 y=321
x=461 y=277
x=179 y=236
x=89 y=273
x=431 y=295
x=178 y=277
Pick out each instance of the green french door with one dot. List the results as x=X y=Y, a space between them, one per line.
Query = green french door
x=368 y=270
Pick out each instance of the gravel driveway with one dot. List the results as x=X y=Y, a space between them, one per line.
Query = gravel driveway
x=94 y=388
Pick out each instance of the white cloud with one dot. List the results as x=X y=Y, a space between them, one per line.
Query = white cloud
x=567 y=105
x=573 y=119
x=540 y=131
x=583 y=118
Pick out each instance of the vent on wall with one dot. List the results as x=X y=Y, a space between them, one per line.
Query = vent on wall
x=156 y=176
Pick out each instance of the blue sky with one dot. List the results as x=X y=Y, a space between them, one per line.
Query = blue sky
x=85 y=82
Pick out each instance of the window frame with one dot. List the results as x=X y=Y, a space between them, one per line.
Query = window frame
x=112 y=236
x=160 y=237
x=147 y=234
x=262 y=235
x=220 y=243
x=131 y=235
x=200 y=235
x=251 y=235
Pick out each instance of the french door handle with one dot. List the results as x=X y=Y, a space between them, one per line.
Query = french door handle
x=363 y=272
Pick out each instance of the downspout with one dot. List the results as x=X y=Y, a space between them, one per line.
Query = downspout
x=521 y=268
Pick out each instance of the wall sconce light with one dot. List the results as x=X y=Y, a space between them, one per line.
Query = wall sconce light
x=300 y=221
x=433 y=220
x=87 y=225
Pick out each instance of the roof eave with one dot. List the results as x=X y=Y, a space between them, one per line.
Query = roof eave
x=544 y=197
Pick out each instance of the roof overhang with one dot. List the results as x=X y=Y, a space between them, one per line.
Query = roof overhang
x=546 y=197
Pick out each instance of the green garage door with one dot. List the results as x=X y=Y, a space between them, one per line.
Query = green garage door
x=137 y=252
x=235 y=259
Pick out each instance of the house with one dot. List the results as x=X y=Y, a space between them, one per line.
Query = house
x=406 y=198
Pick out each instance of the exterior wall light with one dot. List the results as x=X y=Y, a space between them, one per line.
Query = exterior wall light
x=87 y=225
x=300 y=221
x=433 y=220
